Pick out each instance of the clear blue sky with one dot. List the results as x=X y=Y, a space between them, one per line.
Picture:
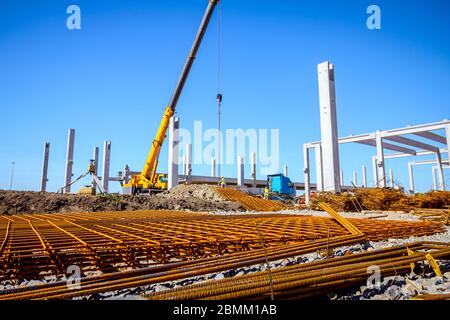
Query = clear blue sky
x=112 y=79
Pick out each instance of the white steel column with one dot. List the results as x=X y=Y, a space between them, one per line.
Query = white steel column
x=69 y=160
x=240 y=171
x=411 y=178
x=375 y=172
x=213 y=167
x=440 y=172
x=185 y=165
x=189 y=161
x=286 y=171
x=106 y=163
x=172 y=166
x=328 y=125
x=44 y=178
x=95 y=158
x=253 y=167
x=355 y=178
x=434 y=174
x=380 y=162
x=342 y=177
x=364 y=176
x=319 y=167
x=306 y=172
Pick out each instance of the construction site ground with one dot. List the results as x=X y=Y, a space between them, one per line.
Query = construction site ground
x=222 y=241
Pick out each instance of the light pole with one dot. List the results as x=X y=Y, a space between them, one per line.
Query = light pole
x=13 y=164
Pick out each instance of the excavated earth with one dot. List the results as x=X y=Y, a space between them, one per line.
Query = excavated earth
x=183 y=197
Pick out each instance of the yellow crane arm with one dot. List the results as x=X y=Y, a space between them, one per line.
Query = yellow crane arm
x=148 y=175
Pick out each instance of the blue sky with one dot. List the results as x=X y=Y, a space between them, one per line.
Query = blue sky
x=112 y=79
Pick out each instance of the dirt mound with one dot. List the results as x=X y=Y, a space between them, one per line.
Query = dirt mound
x=381 y=199
x=184 y=197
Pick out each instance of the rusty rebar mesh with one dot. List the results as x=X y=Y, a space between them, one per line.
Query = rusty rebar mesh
x=309 y=279
x=32 y=246
x=249 y=202
x=381 y=199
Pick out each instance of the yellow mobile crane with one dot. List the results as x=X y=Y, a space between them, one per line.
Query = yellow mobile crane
x=149 y=180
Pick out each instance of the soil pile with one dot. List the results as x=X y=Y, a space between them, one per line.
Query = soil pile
x=184 y=197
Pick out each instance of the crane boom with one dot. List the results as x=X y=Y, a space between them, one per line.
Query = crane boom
x=146 y=179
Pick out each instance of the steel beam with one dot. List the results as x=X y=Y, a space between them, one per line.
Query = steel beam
x=413 y=143
x=389 y=146
x=328 y=125
x=44 y=176
x=69 y=161
x=106 y=164
x=355 y=178
x=431 y=136
x=174 y=129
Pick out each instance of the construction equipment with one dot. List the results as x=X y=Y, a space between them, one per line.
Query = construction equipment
x=91 y=190
x=279 y=187
x=148 y=180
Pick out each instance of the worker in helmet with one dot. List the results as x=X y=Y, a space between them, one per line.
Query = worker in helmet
x=222 y=183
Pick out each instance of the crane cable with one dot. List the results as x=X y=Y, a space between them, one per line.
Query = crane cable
x=219 y=79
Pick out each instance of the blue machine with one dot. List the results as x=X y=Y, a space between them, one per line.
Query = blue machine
x=279 y=187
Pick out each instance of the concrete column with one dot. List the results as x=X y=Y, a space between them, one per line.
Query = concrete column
x=411 y=178
x=69 y=160
x=355 y=178
x=380 y=162
x=95 y=158
x=253 y=167
x=342 y=177
x=375 y=172
x=434 y=174
x=44 y=178
x=319 y=167
x=185 y=165
x=364 y=176
x=174 y=129
x=440 y=171
x=189 y=161
x=240 y=171
x=286 y=171
x=213 y=167
x=391 y=178
x=306 y=173
x=106 y=164
x=447 y=133
x=328 y=125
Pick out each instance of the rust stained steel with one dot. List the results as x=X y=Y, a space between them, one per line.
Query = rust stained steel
x=249 y=202
x=174 y=271
x=306 y=280
x=35 y=246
